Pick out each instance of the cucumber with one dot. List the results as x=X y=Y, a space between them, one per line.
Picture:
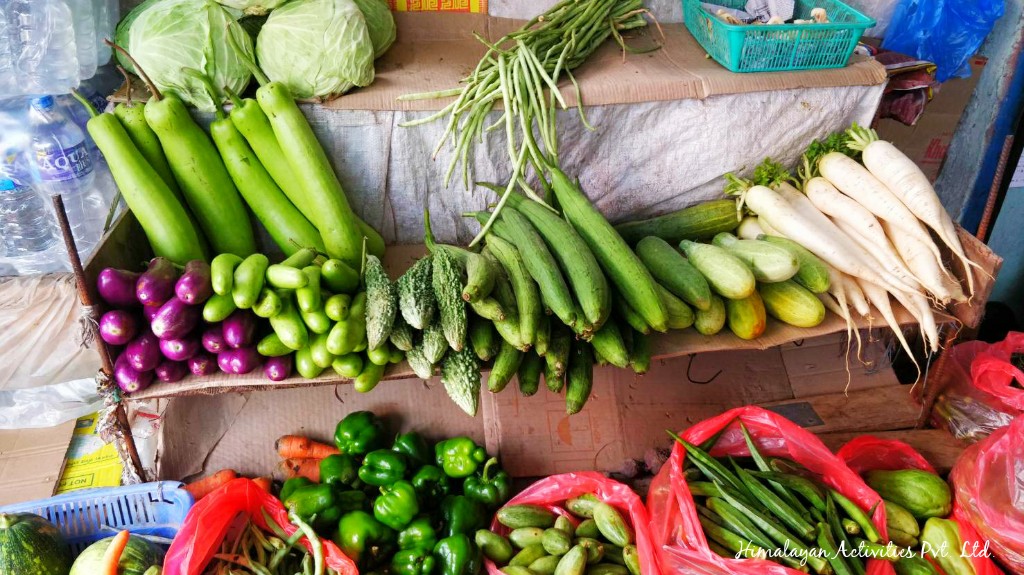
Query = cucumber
x=506 y=363
x=726 y=274
x=746 y=317
x=578 y=263
x=629 y=315
x=640 y=355
x=768 y=262
x=791 y=303
x=526 y=294
x=712 y=320
x=680 y=316
x=526 y=515
x=813 y=274
x=608 y=342
x=673 y=272
x=696 y=222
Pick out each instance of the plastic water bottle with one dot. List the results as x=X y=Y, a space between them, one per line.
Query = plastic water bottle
x=83 y=17
x=65 y=166
x=7 y=80
x=108 y=14
x=27 y=230
x=47 y=59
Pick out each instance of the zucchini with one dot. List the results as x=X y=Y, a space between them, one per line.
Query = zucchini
x=514 y=228
x=672 y=271
x=696 y=222
x=640 y=356
x=557 y=359
x=506 y=364
x=527 y=297
x=769 y=262
x=746 y=317
x=578 y=263
x=529 y=374
x=508 y=326
x=680 y=316
x=629 y=315
x=791 y=303
x=623 y=267
x=608 y=342
x=726 y=274
x=712 y=320
x=483 y=338
x=579 y=377
x=813 y=274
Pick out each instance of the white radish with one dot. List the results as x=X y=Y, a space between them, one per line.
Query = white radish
x=884 y=256
x=880 y=299
x=856 y=181
x=804 y=206
x=768 y=229
x=840 y=309
x=924 y=267
x=749 y=229
x=856 y=297
x=909 y=184
x=836 y=302
x=919 y=307
x=783 y=217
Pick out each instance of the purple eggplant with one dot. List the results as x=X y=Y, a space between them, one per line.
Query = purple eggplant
x=149 y=312
x=194 y=286
x=213 y=340
x=175 y=319
x=118 y=327
x=128 y=378
x=143 y=352
x=156 y=285
x=179 y=349
x=239 y=329
x=238 y=361
x=202 y=363
x=117 y=287
x=171 y=371
x=278 y=368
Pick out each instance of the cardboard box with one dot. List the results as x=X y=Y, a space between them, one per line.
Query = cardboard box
x=31 y=462
x=927 y=143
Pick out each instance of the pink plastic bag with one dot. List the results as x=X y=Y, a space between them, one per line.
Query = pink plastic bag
x=208 y=522
x=553 y=491
x=988 y=482
x=678 y=537
x=867 y=453
x=979 y=397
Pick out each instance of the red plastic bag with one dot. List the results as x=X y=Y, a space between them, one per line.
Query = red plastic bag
x=979 y=397
x=553 y=491
x=867 y=453
x=208 y=521
x=678 y=537
x=988 y=482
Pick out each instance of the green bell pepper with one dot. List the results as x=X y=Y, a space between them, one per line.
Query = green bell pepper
x=359 y=433
x=490 y=490
x=362 y=537
x=383 y=467
x=459 y=456
x=431 y=485
x=291 y=485
x=458 y=555
x=462 y=515
x=397 y=505
x=317 y=503
x=339 y=470
x=417 y=561
x=352 y=500
x=415 y=448
x=420 y=533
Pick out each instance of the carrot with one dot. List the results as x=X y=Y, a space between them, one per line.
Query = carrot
x=299 y=447
x=112 y=556
x=203 y=487
x=308 y=468
x=264 y=483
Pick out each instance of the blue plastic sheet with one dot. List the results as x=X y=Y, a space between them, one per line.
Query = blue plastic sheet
x=946 y=32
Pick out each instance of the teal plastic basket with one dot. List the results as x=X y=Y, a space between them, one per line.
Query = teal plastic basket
x=764 y=48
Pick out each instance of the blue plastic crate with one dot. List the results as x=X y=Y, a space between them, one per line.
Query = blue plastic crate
x=764 y=48
x=154 y=510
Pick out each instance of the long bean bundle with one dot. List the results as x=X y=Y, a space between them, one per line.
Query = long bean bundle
x=521 y=70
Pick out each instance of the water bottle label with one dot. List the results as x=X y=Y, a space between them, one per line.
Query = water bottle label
x=61 y=165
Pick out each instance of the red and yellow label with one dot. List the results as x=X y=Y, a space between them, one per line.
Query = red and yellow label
x=471 y=6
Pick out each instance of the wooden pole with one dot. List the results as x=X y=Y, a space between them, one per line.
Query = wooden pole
x=120 y=414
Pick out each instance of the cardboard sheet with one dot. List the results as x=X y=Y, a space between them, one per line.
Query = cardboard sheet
x=31 y=462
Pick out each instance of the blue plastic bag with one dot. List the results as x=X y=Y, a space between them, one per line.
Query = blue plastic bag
x=946 y=32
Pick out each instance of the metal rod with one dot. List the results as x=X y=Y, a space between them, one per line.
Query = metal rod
x=82 y=285
x=994 y=191
x=929 y=393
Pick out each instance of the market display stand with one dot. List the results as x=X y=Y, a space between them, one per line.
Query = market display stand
x=696 y=125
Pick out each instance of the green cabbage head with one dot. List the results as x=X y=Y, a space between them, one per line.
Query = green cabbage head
x=253 y=7
x=380 y=23
x=167 y=35
x=318 y=48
